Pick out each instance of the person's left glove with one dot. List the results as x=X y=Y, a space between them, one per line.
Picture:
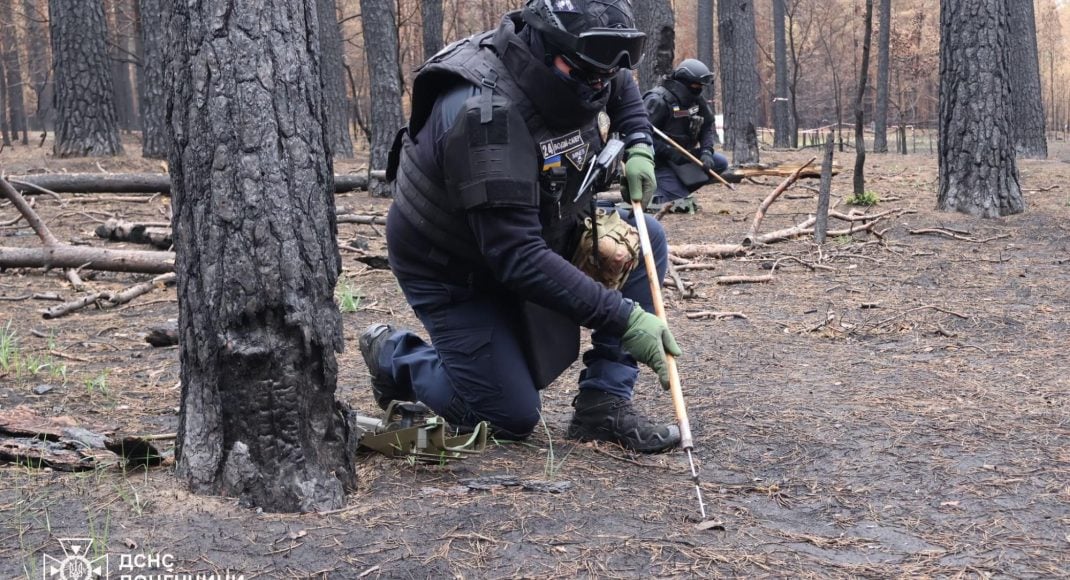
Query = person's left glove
x=708 y=160
x=639 y=174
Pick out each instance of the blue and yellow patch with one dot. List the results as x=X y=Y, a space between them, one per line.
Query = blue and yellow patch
x=551 y=163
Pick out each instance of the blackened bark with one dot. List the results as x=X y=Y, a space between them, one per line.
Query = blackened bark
x=1029 y=138
x=119 y=56
x=656 y=19
x=257 y=260
x=38 y=59
x=781 y=120
x=880 y=113
x=978 y=171
x=9 y=48
x=739 y=78
x=431 y=12
x=155 y=22
x=704 y=30
x=85 y=112
x=334 y=86
x=860 y=111
x=381 y=52
x=5 y=129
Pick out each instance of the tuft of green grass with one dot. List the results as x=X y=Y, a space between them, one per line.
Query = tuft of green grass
x=868 y=198
x=348 y=298
x=98 y=383
x=9 y=348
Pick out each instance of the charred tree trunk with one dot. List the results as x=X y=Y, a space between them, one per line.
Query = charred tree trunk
x=381 y=51
x=656 y=19
x=1029 y=138
x=781 y=120
x=739 y=78
x=155 y=18
x=334 y=86
x=120 y=65
x=860 y=109
x=880 y=113
x=431 y=12
x=85 y=112
x=9 y=48
x=258 y=324
x=978 y=171
x=38 y=63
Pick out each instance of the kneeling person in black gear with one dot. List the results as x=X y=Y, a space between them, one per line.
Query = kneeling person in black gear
x=676 y=107
x=487 y=217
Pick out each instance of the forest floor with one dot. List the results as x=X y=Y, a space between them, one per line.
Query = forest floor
x=901 y=409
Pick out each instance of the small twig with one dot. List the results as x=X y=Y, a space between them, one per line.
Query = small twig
x=715 y=315
x=953 y=235
x=727 y=280
x=926 y=307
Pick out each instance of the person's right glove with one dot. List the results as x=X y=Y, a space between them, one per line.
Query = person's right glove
x=648 y=339
x=639 y=174
x=708 y=160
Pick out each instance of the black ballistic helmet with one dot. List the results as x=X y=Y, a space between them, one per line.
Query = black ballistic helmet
x=597 y=36
x=693 y=72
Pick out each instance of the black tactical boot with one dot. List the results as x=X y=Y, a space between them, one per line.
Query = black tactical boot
x=601 y=416
x=383 y=387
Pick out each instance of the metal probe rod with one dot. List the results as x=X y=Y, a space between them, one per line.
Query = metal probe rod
x=690 y=157
x=674 y=374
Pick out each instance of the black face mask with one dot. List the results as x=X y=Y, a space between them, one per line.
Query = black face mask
x=695 y=89
x=581 y=83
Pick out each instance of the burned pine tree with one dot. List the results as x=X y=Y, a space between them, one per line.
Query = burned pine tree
x=85 y=112
x=880 y=113
x=9 y=49
x=155 y=18
x=257 y=257
x=656 y=19
x=432 y=16
x=739 y=78
x=860 y=109
x=379 y=21
x=781 y=104
x=334 y=86
x=978 y=170
x=1029 y=138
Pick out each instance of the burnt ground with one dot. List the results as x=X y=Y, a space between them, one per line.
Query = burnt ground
x=901 y=410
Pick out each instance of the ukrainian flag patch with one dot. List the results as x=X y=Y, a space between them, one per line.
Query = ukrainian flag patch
x=552 y=162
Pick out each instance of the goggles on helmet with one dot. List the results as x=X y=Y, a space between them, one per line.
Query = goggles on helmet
x=607 y=50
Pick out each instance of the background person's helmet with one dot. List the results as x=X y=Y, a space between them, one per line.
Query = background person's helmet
x=596 y=36
x=693 y=72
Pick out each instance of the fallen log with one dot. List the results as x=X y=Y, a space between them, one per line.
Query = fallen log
x=64 y=256
x=738 y=173
x=151 y=183
x=155 y=234
x=759 y=215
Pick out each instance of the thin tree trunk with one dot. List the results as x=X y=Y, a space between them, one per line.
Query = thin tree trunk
x=739 y=78
x=381 y=52
x=258 y=324
x=85 y=112
x=1029 y=137
x=860 y=110
x=781 y=121
x=155 y=18
x=431 y=12
x=5 y=128
x=978 y=171
x=880 y=113
x=9 y=45
x=37 y=47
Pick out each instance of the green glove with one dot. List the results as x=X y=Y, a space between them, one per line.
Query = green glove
x=639 y=173
x=647 y=339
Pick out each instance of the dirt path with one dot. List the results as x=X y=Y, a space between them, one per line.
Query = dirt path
x=905 y=413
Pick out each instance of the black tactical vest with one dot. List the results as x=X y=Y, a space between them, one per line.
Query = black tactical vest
x=563 y=151
x=686 y=113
